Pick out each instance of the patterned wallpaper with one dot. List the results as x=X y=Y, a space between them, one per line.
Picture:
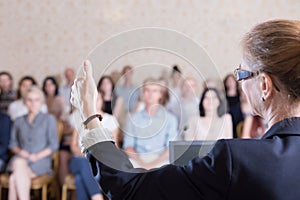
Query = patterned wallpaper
x=43 y=37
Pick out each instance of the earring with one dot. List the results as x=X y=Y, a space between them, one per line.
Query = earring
x=263 y=98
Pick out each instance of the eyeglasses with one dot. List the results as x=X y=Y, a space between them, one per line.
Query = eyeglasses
x=241 y=74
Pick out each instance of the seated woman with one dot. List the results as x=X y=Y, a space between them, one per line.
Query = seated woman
x=112 y=103
x=233 y=98
x=148 y=131
x=18 y=108
x=86 y=186
x=57 y=106
x=55 y=103
x=33 y=140
x=213 y=122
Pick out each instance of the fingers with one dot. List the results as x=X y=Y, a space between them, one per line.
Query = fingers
x=75 y=91
x=88 y=69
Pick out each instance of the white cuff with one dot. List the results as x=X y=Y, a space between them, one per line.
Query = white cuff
x=95 y=136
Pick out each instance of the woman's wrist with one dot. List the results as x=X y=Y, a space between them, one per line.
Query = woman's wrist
x=94 y=123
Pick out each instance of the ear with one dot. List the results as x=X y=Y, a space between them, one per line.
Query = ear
x=266 y=86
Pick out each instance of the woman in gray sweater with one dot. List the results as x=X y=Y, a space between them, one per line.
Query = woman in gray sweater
x=33 y=139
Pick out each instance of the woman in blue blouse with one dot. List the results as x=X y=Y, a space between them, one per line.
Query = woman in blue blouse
x=33 y=139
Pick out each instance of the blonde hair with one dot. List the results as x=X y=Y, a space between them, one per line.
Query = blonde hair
x=35 y=89
x=274 y=48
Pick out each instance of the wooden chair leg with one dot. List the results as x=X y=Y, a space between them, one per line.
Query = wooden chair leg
x=44 y=192
x=0 y=191
x=64 y=192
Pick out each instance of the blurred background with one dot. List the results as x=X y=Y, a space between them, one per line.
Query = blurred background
x=45 y=37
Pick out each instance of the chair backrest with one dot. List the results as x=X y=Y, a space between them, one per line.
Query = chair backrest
x=55 y=162
x=60 y=129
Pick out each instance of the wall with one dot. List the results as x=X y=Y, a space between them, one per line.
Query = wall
x=43 y=37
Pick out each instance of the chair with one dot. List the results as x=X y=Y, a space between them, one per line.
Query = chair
x=69 y=184
x=41 y=182
x=38 y=183
x=239 y=129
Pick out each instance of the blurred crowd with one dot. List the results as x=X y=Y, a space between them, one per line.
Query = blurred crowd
x=36 y=121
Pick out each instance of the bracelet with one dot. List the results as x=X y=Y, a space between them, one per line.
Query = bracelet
x=85 y=123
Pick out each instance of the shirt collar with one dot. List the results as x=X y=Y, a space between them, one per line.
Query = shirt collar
x=159 y=113
x=289 y=126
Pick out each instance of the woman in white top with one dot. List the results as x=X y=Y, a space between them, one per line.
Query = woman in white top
x=213 y=122
x=86 y=186
x=18 y=108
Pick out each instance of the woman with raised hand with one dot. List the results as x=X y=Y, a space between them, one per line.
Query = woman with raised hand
x=267 y=168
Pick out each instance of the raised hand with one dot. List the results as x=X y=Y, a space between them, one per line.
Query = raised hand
x=84 y=92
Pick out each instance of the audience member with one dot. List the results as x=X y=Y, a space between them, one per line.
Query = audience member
x=86 y=186
x=176 y=79
x=7 y=94
x=112 y=103
x=65 y=90
x=4 y=139
x=18 y=108
x=57 y=106
x=128 y=91
x=233 y=99
x=33 y=140
x=148 y=132
x=165 y=91
x=174 y=88
x=187 y=104
x=165 y=95
x=212 y=122
x=55 y=103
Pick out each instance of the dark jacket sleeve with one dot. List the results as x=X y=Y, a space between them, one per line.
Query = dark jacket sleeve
x=5 y=128
x=206 y=178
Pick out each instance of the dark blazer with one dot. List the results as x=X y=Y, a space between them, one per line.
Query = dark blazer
x=265 y=169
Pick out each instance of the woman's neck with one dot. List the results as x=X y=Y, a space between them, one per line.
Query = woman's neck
x=188 y=96
x=231 y=92
x=152 y=109
x=127 y=83
x=281 y=112
x=107 y=96
x=31 y=116
x=211 y=113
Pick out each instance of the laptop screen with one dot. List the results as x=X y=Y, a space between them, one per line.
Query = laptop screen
x=181 y=152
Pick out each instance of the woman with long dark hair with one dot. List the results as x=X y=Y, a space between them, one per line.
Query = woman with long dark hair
x=212 y=122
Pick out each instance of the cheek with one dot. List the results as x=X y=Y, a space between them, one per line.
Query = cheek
x=246 y=89
x=251 y=96
x=206 y=103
